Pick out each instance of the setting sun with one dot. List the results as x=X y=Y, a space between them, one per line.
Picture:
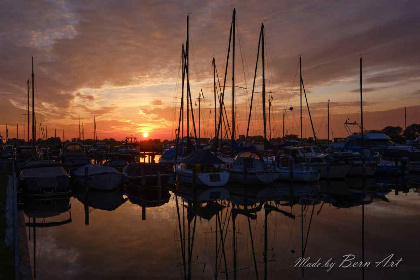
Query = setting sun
x=145 y=134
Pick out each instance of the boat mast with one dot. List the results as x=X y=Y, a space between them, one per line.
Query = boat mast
x=405 y=118
x=33 y=105
x=186 y=65
x=215 y=99
x=200 y=95
x=328 y=118
x=233 y=74
x=361 y=102
x=301 y=110
x=263 y=82
x=29 y=126
x=17 y=131
x=63 y=135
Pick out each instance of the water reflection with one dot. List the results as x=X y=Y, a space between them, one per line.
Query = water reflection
x=234 y=232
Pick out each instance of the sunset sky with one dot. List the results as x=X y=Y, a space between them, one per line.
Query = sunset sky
x=120 y=62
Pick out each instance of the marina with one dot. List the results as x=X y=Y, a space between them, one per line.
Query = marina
x=290 y=156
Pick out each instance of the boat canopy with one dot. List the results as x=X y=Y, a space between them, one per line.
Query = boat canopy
x=204 y=157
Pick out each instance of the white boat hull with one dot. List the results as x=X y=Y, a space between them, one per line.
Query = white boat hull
x=213 y=179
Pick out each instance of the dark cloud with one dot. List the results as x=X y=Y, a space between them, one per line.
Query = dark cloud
x=96 y=44
x=156 y=102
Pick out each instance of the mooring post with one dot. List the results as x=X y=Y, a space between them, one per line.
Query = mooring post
x=143 y=175
x=143 y=213
x=291 y=176
x=194 y=183
x=245 y=172
x=86 y=197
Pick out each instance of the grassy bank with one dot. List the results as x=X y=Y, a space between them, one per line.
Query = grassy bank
x=6 y=254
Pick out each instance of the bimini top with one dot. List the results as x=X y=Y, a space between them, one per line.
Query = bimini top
x=205 y=157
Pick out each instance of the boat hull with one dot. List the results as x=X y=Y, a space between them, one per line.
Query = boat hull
x=335 y=172
x=46 y=185
x=102 y=181
x=255 y=177
x=357 y=170
x=213 y=179
x=310 y=175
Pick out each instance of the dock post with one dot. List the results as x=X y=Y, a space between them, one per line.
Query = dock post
x=245 y=172
x=143 y=176
x=143 y=213
x=291 y=176
x=86 y=206
x=194 y=184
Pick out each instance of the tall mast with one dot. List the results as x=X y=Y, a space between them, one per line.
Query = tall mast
x=263 y=81
x=188 y=82
x=361 y=101
x=55 y=132
x=233 y=75
x=269 y=115
x=284 y=113
x=214 y=92
x=17 y=131
x=405 y=118
x=46 y=132
x=199 y=115
x=301 y=110
x=29 y=126
x=80 y=136
x=328 y=118
x=33 y=105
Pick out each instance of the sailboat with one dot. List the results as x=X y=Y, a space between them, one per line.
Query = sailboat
x=42 y=177
x=249 y=166
x=201 y=167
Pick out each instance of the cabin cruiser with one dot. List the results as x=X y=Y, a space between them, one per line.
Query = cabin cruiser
x=257 y=170
x=44 y=177
x=364 y=158
x=99 y=177
x=203 y=168
x=327 y=166
x=73 y=153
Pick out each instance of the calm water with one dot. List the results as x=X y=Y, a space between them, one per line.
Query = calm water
x=235 y=232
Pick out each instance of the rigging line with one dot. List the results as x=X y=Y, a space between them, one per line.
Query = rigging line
x=253 y=85
x=223 y=247
x=276 y=68
x=221 y=104
x=309 y=227
x=224 y=82
x=309 y=111
x=253 y=249
x=322 y=121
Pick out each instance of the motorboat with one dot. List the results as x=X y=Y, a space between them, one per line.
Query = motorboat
x=146 y=174
x=203 y=168
x=327 y=166
x=99 y=177
x=251 y=168
x=291 y=171
x=44 y=177
x=73 y=154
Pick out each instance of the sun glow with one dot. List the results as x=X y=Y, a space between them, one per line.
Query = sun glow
x=145 y=134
